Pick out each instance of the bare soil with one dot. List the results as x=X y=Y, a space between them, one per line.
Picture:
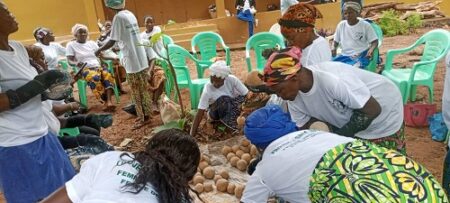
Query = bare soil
x=420 y=146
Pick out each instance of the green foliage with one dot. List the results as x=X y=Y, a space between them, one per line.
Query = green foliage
x=392 y=25
x=178 y=124
x=414 y=21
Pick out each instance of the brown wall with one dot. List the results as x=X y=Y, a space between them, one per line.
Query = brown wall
x=164 y=10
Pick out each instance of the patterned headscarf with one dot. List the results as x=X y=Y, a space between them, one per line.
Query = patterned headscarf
x=299 y=18
x=282 y=66
x=115 y=4
x=77 y=27
x=353 y=5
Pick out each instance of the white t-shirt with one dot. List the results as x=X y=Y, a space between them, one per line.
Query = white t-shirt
x=50 y=118
x=318 y=51
x=84 y=53
x=52 y=53
x=338 y=89
x=446 y=93
x=158 y=47
x=285 y=4
x=25 y=123
x=287 y=165
x=232 y=87
x=125 y=31
x=101 y=180
x=354 y=39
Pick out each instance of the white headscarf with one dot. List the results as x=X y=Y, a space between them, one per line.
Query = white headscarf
x=77 y=27
x=353 y=5
x=115 y=4
x=220 y=69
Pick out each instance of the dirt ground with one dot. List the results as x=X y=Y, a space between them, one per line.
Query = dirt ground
x=419 y=144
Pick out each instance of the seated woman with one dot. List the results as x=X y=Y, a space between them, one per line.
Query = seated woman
x=159 y=173
x=52 y=50
x=315 y=166
x=355 y=36
x=222 y=97
x=99 y=79
x=246 y=12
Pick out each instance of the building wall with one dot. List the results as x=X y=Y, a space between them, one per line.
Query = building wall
x=59 y=15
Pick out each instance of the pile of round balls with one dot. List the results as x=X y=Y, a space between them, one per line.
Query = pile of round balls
x=205 y=172
x=240 y=156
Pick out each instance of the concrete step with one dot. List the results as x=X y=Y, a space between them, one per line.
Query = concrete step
x=190 y=35
x=172 y=30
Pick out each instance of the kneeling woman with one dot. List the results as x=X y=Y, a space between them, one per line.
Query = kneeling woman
x=332 y=168
x=222 y=97
x=160 y=173
x=98 y=78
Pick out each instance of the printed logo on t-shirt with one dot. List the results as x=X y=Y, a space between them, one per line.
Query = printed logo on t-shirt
x=299 y=138
x=339 y=106
x=358 y=36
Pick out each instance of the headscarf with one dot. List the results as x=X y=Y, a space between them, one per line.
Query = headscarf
x=268 y=124
x=115 y=4
x=282 y=66
x=353 y=5
x=220 y=69
x=40 y=32
x=77 y=27
x=299 y=18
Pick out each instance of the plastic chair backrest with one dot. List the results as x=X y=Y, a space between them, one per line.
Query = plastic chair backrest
x=177 y=57
x=437 y=43
x=207 y=44
x=261 y=41
x=379 y=33
x=167 y=40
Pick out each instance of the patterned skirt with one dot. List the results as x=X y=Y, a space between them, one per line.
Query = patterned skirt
x=360 y=171
x=226 y=109
x=395 y=141
x=98 y=79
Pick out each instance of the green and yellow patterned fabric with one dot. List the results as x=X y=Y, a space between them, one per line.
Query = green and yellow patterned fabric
x=361 y=172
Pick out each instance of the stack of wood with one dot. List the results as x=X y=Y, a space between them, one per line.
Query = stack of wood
x=427 y=9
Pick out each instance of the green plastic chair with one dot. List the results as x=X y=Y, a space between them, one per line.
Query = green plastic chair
x=177 y=56
x=437 y=43
x=168 y=85
x=259 y=42
x=207 y=45
x=376 y=53
x=72 y=132
x=82 y=84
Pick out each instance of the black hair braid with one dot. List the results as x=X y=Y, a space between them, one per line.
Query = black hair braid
x=168 y=164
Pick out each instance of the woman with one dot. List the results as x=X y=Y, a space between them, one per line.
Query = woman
x=125 y=31
x=354 y=102
x=32 y=162
x=158 y=174
x=52 y=50
x=99 y=79
x=355 y=36
x=246 y=12
x=446 y=117
x=112 y=54
x=157 y=77
x=315 y=166
x=297 y=26
x=222 y=97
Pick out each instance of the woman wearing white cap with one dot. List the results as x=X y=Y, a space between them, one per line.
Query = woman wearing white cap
x=221 y=97
x=99 y=79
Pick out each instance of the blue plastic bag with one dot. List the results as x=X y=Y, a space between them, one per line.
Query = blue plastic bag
x=437 y=127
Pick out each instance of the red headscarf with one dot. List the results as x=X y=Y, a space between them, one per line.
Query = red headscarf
x=299 y=17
